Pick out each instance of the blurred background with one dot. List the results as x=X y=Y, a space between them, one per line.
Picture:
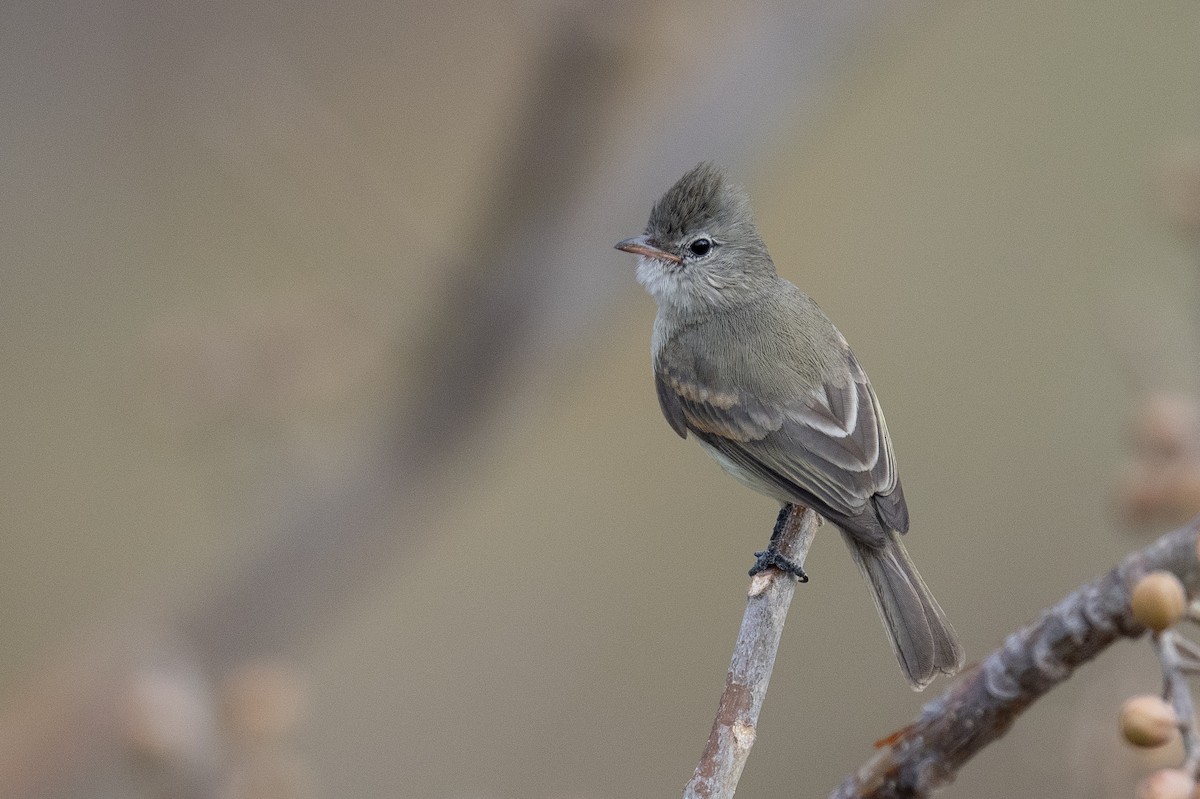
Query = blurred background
x=332 y=464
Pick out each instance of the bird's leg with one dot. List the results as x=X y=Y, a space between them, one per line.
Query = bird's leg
x=771 y=557
x=781 y=522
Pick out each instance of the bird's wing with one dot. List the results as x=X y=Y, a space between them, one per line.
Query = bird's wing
x=829 y=449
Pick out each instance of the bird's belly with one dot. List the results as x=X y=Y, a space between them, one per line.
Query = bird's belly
x=745 y=476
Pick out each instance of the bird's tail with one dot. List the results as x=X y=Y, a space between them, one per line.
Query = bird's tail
x=924 y=642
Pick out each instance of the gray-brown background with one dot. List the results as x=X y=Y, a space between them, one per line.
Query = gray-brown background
x=197 y=327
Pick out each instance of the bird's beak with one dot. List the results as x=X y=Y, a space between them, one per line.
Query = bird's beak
x=640 y=245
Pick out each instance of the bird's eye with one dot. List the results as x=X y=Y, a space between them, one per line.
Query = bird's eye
x=700 y=247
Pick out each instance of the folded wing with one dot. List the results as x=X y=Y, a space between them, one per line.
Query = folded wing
x=829 y=449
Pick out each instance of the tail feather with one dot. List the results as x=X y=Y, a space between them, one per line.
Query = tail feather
x=922 y=638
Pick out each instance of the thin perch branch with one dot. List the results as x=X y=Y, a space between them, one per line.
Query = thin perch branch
x=981 y=707
x=734 y=729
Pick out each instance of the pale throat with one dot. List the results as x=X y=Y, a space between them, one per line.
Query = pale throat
x=685 y=291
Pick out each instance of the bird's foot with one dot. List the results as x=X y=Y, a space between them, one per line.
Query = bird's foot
x=772 y=558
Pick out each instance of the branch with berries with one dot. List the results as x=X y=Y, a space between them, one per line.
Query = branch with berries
x=1160 y=602
x=1148 y=590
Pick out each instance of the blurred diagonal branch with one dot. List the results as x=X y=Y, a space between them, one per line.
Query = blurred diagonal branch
x=982 y=706
x=521 y=290
x=464 y=364
x=330 y=544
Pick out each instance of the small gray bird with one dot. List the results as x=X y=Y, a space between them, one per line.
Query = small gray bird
x=754 y=370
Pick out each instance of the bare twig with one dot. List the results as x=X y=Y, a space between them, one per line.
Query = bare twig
x=982 y=706
x=734 y=729
x=1175 y=659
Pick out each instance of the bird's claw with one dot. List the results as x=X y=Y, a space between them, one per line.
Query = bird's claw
x=772 y=558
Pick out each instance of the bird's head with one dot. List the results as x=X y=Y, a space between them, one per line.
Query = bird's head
x=701 y=248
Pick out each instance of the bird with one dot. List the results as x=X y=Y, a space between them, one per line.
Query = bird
x=749 y=366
